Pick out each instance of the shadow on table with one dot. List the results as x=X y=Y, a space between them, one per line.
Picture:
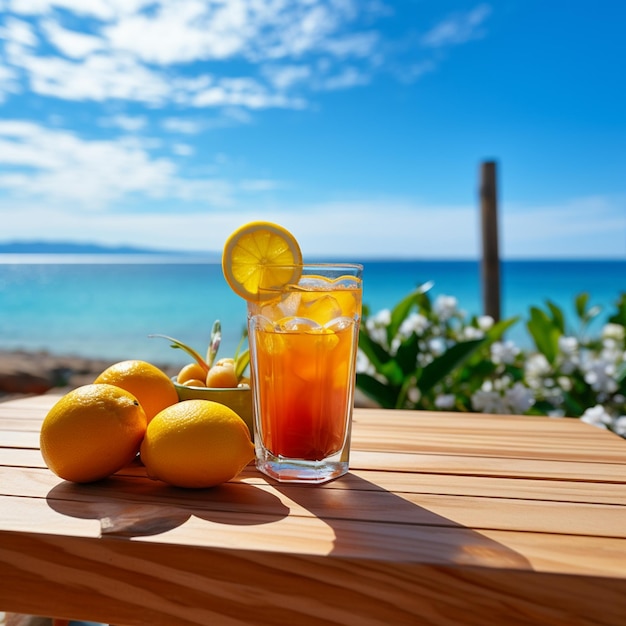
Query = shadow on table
x=366 y=519
x=391 y=526
x=128 y=507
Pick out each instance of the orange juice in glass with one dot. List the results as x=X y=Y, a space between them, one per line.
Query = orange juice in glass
x=303 y=339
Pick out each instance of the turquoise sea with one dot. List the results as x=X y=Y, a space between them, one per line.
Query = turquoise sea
x=107 y=306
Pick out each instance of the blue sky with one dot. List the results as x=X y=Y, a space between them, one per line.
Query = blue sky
x=359 y=125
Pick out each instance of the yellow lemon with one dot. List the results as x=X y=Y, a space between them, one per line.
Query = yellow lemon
x=255 y=256
x=196 y=443
x=150 y=385
x=92 y=432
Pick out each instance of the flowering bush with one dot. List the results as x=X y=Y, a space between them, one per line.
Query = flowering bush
x=431 y=355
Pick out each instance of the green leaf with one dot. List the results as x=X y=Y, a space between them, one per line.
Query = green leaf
x=392 y=372
x=376 y=354
x=581 y=304
x=379 y=392
x=496 y=332
x=401 y=401
x=241 y=362
x=401 y=311
x=571 y=406
x=619 y=317
x=190 y=351
x=557 y=316
x=448 y=361
x=406 y=356
x=544 y=333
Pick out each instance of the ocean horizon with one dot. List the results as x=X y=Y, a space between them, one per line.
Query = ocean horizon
x=106 y=306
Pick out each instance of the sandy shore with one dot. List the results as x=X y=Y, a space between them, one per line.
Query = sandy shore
x=24 y=373
x=33 y=373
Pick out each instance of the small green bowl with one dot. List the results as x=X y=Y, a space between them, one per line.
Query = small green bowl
x=239 y=399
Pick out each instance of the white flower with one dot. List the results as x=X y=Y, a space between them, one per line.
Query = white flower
x=599 y=375
x=485 y=322
x=377 y=326
x=446 y=401
x=382 y=318
x=611 y=350
x=619 y=425
x=570 y=360
x=445 y=306
x=596 y=416
x=395 y=344
x=424 y=358
x=519 y=398
x=504 y=352
x=414 y=394
x=613 y=331
x=437 y=346
x=564 y=383
x=414 y=323
x=535 y=368
x=471 y=332
x=363 y=364
x=499 y=397
x=488 y=402
x=568 y=345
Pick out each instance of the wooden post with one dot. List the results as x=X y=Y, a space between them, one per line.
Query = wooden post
x=490 y=269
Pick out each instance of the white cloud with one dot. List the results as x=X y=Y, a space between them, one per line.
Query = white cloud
x=18 y=32
x=571 y=228
x=359 y=45
x=64 y=169
x=458 y=29
x=397 y=228
x=71 y=43
x=127 y=122
x=101 y=9
x=349 y=77
x=242 y=92
x=182 y=149
x=98 y=78
x=182 y=125
x=8 y=82
x=181 y=32
x=285 y=76
x=155 y=52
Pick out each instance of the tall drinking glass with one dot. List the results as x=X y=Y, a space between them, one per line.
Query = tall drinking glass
x=303 y=339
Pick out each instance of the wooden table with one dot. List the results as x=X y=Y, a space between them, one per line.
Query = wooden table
x=445 y=518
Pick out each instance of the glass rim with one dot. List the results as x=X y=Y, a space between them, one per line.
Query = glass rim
x=323 y=264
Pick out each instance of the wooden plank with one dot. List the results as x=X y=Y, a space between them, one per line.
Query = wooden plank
x=397 y=542
x=192 y=585
x=19 y=439
x=362 y=503
x=27 y=479
x=20 y=457
x=470 y=465
x=25 y=424
x=612 y=451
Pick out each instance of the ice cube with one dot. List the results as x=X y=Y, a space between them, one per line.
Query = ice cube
x=339 y=323
x=321 y=309
x=262 y=323
x=297 y=324
x=289 y=305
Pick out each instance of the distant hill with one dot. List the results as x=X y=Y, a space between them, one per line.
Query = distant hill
x=62 y=247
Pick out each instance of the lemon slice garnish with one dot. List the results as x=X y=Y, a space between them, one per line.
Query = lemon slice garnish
x=258 y=256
